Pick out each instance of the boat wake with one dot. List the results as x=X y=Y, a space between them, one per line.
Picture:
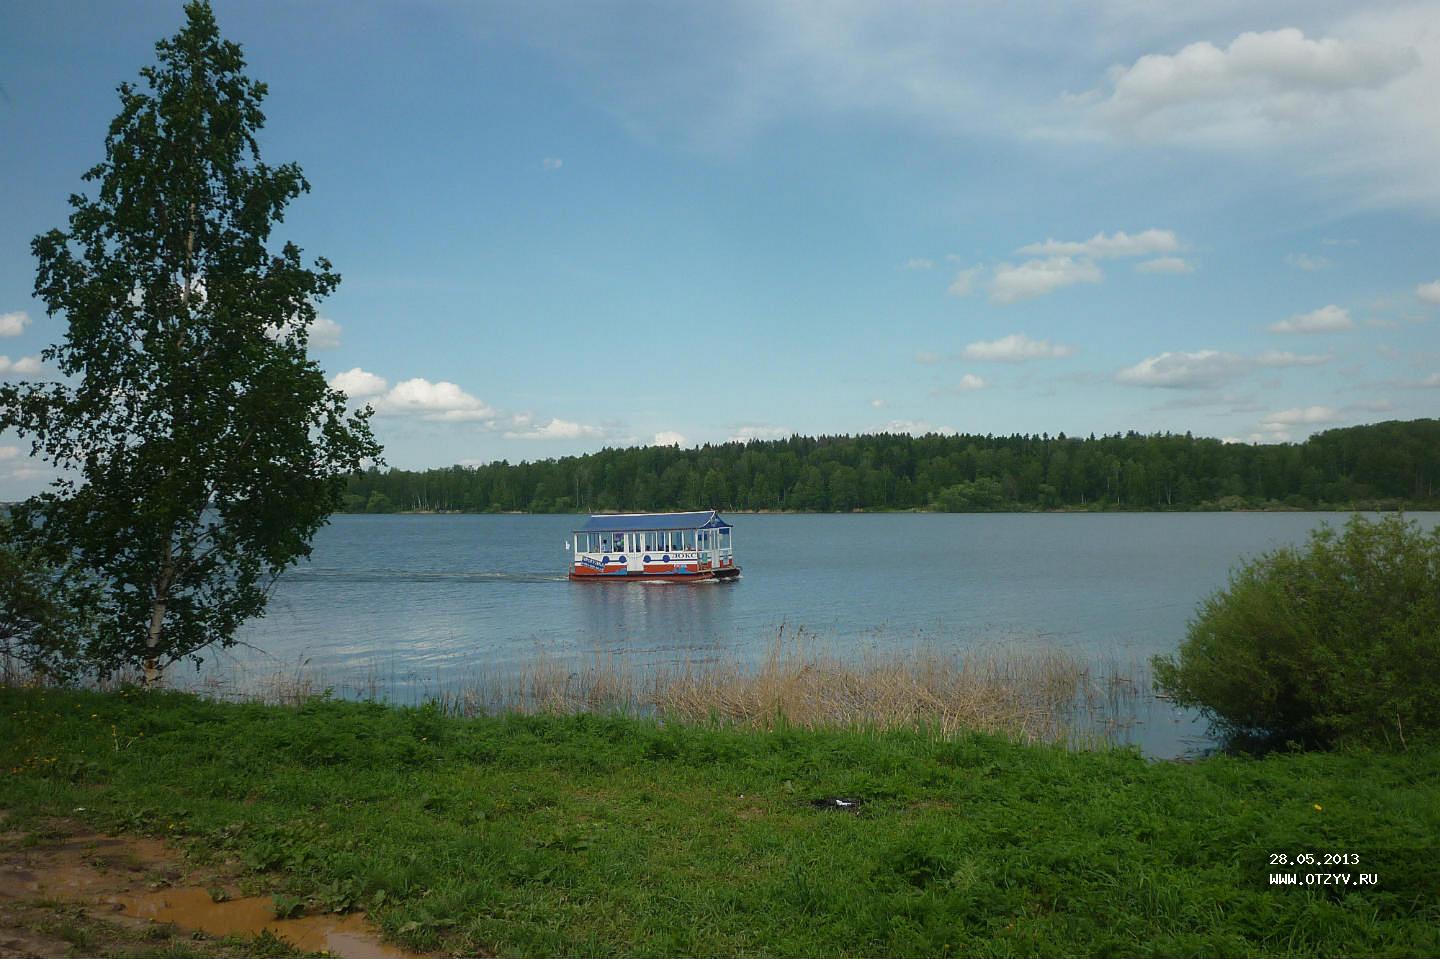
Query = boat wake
x=419 y=576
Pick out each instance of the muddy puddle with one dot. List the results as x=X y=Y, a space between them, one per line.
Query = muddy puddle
x=348 y=936
x=115 y=876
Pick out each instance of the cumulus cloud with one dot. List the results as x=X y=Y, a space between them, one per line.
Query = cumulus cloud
x=324 y=332
x=445 y=402
x=358 y=384
x=24 y=366
x=13 y=324
x=552 y=163
x=918 y=263
x=556 y=429
x=1210 y=369
x=1037 y=277
x=745 y=434
x=1166 y=264
x=968 y=383
x=1260 y=81
x=964 y=281
x=1327 y=319
x=1015 y=348
x=1100 y=246
x=1354 y=111
x=1283 y=358
x=1180 y=370
x=442 y=401
x=669 y=438
x=1281 y=420
x=1429 y=292
x=1308 y=262
x=916 y=428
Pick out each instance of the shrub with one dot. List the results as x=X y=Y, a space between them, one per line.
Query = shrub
x=1335 y=643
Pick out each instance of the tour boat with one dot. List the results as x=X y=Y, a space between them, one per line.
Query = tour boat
x=681 y=547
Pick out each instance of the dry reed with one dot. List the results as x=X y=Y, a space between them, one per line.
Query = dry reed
x=1035 y=695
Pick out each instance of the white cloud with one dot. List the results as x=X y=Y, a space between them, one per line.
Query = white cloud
x=878 y=404
x=1100 y=246
x=1209 y=369
x=918 y=263
x=1015 y=348
x=967 y=384
x=1354 y=111
x=13 y=324
x=1308 y=261
x=744 y=434
x=1261 y=81
x=1038 y=277
x=964 y=281
x=1166 y=264
x=926 y=358
x=552 y=163
x=1200 y=369
x=358 y=384
x=1327 y=319
x=556 y=429
x=1432 y=380
x=324 y=332
x=669 y=438
x=9 y=452
x=1429 y=292
x=1280 y=420
x=1283 y=358
x=916 y=428
x=25 y=366
x=441 y=402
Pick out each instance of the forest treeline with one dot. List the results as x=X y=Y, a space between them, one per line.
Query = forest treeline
x=1384 y=465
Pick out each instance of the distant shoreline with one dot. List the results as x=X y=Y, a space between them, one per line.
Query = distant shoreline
x=1386 y=507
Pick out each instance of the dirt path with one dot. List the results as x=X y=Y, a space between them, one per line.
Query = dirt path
x=66 y=892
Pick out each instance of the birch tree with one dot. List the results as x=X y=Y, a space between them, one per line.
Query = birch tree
x=199 y=446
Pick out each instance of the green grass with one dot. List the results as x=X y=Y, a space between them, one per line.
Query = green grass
x=591 y=835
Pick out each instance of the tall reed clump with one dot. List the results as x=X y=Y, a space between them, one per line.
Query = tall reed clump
x=1042 y=695
x=1033 y=695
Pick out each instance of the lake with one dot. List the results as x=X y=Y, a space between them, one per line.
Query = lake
x=408 y=604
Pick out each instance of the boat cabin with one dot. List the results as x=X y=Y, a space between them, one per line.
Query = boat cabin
x=673 y=546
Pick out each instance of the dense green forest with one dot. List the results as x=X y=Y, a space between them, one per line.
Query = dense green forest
x=1382 y=465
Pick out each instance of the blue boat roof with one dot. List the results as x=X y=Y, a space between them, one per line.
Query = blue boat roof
x=625 y=522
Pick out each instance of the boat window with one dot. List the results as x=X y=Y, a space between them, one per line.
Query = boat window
x=724 y=539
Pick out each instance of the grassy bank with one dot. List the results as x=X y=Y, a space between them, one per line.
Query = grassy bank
x=588 y=835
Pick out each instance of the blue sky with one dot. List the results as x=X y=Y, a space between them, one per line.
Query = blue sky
x=564 y=226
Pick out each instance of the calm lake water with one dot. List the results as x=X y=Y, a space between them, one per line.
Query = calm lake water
x=416 y=603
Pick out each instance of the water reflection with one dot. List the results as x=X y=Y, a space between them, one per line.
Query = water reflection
x=664 y=621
